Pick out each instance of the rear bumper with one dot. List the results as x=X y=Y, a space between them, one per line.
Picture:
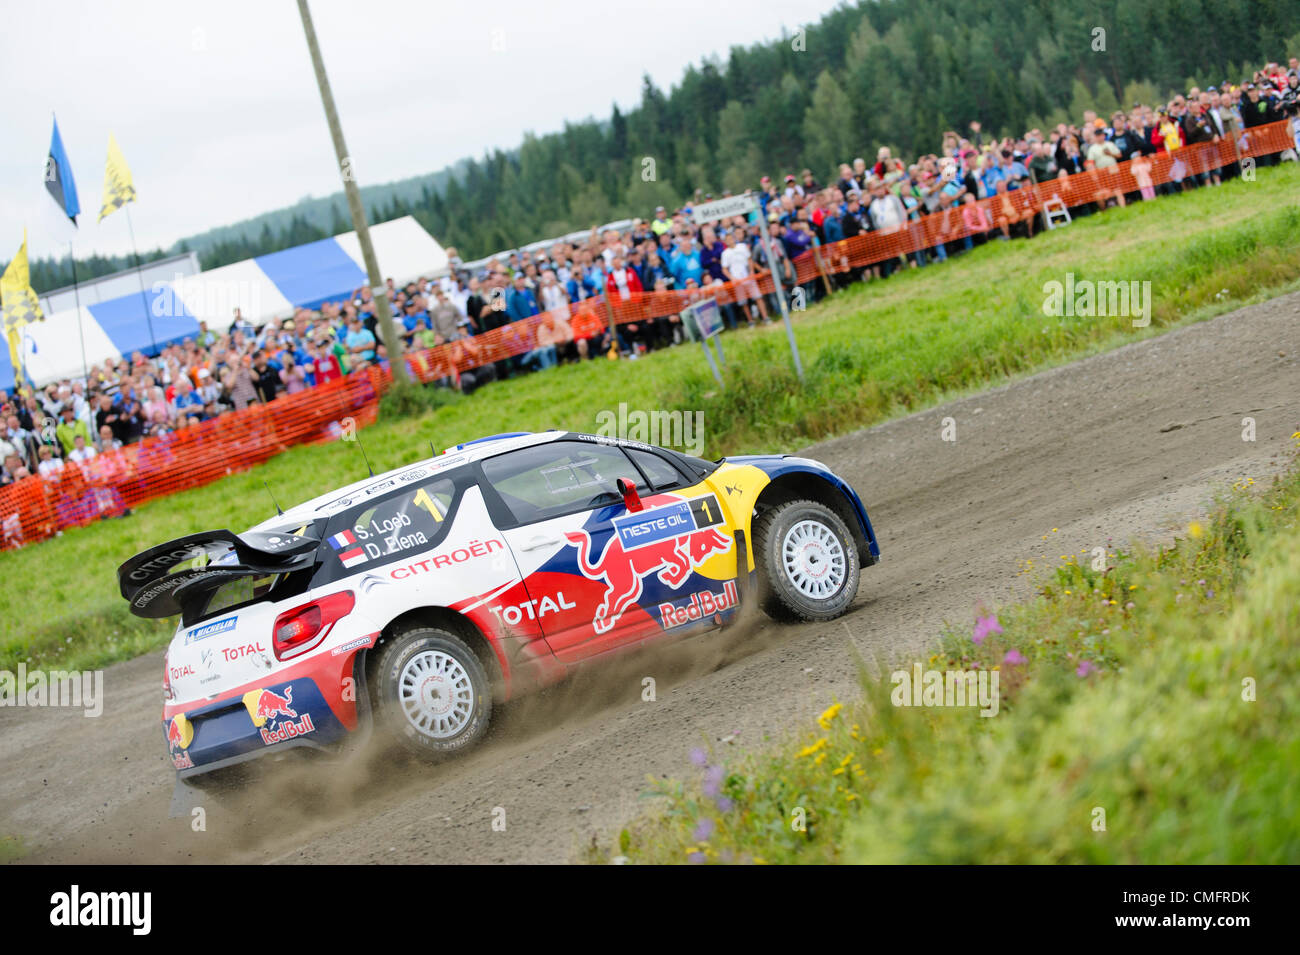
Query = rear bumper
x=314 y=704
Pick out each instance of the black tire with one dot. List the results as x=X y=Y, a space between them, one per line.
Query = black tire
x=788 y=589
x=404 y=702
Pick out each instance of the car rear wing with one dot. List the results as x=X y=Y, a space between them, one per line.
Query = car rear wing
x=160 y=581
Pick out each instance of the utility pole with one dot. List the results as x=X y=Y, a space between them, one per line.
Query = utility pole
x=382 y=311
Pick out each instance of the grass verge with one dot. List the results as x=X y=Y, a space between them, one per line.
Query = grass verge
x=1147 y=715
x=871 y=352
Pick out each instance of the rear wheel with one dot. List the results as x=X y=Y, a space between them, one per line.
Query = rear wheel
x=807 y=562
x=432 y=694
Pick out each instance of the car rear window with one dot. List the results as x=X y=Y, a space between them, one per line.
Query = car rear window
x=390 y=528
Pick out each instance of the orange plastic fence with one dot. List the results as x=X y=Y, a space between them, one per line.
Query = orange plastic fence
x=36 y=508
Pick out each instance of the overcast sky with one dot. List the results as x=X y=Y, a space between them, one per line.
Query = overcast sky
x=216 y=110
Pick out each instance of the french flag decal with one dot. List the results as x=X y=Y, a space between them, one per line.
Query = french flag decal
x=350 y=552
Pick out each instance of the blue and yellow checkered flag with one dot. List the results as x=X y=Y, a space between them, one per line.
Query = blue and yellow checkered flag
x=18 y=303
x=118 y=188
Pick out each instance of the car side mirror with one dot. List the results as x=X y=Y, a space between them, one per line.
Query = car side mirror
x=631 y=499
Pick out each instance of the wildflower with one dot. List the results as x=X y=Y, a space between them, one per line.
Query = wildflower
x=699 y=757
x=824 y=721
x=713 y=781
x=813 y=748
x=703 y=830
x=985 y=626
x=724 y=804
x=1013 y=658
x=1084 y=668
x=695 y=857
x=1194 y=530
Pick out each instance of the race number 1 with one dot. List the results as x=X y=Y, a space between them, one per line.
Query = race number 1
x=706 y=511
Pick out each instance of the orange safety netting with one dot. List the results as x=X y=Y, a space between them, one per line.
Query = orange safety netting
x=36 y=508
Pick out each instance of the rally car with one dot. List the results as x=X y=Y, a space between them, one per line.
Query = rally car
x=413 y=601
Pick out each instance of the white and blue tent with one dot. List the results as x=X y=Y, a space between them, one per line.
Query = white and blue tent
x=264 y=288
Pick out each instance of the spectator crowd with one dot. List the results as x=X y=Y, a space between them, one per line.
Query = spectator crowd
x=570 y=287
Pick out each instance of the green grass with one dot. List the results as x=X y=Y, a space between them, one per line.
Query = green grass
x=871 y=352
x=1163 y=690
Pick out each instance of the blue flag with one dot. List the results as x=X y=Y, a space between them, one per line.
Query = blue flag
x=58 y=177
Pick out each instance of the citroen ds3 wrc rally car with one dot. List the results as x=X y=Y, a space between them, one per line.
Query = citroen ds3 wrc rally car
x=412 y=601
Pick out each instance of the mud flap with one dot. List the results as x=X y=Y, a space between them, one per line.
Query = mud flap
x=185 y=799
x=746 y=579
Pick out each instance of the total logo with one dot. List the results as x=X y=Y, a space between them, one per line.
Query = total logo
x=237 y=653
x=703 y=604
x=533 y=608
x=274 y=716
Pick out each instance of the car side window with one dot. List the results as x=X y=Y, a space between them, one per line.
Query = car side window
x=375 y=532
x=560 y=477
x=659 y=471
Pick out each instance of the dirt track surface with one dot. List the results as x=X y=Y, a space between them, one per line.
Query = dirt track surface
x=1121 y=446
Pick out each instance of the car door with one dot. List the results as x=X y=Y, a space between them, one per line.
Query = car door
x=596 y=574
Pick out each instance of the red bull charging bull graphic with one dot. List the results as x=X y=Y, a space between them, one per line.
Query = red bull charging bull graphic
x=670 y=541
x=274 y=716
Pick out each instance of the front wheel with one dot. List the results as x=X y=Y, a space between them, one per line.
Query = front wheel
x=432 y=694
x=807 y=562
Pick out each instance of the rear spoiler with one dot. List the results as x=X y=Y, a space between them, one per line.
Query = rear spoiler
x=155 y=583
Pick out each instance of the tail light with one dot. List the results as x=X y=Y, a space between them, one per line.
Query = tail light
x=298 y=630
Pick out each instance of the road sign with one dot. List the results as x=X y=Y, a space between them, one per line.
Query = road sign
x=723 y=208
x=742 y=206
x=707 y=317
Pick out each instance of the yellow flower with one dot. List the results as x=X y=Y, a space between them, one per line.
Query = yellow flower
x=814 y=748
x=820 y=758
x=846 y=760
x=1194 y=529
x=824 y=721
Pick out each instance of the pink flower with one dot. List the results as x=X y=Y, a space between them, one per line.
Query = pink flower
x=985 y=626
x=1013 y=658
x=1085 y=668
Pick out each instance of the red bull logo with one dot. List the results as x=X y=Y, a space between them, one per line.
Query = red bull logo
x=623 y=570
x=701 y=606
x=264 y=705
x=180 y=732
x=274 y=716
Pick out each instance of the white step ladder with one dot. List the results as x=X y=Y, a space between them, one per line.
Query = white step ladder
x=1055 y=209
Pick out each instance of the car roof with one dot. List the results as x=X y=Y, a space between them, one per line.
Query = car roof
x=330 y=503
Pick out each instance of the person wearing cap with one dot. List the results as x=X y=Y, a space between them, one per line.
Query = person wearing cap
x=792 y=188
x=444 y=317
x=70 y=427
